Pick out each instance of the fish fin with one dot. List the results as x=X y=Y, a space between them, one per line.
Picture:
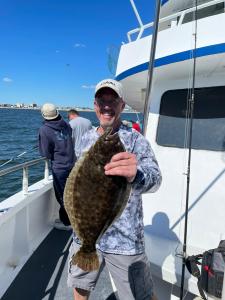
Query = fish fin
x=86 y=261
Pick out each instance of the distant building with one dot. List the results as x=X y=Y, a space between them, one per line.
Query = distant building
x=5 y=105
x=33 y=105
x=19 y=105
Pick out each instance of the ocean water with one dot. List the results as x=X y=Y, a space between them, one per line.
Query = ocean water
x=19 y=134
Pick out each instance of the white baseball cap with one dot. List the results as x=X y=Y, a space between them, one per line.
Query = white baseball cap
x=49 y=111
x=115 y=85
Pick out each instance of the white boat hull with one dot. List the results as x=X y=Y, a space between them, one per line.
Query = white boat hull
x=173 y=64
x=23 y=227
x=164 y=210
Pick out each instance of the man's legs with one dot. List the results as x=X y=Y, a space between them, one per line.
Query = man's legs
x=59 y=182
x=81 y=281
x=131 y=275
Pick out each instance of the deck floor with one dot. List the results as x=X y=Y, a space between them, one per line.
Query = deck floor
x=45 y=273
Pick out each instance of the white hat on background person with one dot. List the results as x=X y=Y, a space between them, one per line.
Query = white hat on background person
x=49 y=111
x=115 y=85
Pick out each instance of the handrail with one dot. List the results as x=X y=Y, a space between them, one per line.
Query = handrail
x=20 y=166
x=180 y=14
x=25 y=166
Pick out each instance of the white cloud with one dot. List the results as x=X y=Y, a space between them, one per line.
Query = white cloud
x=7 y=79
x=79 y=45
x=88 y=86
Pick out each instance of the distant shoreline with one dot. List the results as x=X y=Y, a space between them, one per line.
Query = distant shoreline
x=39 y=108
x=63 y=109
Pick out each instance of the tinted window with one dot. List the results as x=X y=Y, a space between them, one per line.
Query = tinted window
x=208 y=123
x=204 y=12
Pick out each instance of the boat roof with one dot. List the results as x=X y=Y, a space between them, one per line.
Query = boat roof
x=170 y=7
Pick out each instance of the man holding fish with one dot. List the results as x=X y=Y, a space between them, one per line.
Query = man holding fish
x=103 y=202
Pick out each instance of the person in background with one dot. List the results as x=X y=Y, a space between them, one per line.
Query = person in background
x=136 y=126
x=121 y=248
x=132 y=124
x=55 y=143
x=127 y=123
x=79 y=126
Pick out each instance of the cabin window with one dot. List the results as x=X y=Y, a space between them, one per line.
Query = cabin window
x=204 y=12
x=208 y=118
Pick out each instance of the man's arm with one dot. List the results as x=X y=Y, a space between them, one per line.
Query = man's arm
x=72 y=131
x=90 y=125
x=45 y=146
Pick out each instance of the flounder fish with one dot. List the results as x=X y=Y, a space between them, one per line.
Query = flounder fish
x=94 y=200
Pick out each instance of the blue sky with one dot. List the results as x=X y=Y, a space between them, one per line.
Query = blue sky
x=56 y=50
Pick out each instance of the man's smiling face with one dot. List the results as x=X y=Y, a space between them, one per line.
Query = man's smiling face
x=108 y=107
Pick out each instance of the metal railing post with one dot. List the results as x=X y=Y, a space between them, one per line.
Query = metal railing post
x=136 y=13
x=25 y=167
x=223 y=291
x=46 y=177
x=138 y=19
x=25 y=180
x=181 y=19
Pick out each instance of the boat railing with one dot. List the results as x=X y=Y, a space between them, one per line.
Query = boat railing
x=24 y=167
x=176 y=19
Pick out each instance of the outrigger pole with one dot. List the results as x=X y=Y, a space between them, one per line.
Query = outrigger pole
x=152 y=54
x=191 y=105
x=151 y=64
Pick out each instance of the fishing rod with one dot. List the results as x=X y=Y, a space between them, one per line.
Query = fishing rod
x=191 y=105
x=18 y=156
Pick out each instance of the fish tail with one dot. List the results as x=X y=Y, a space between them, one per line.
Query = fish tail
x=86 y=261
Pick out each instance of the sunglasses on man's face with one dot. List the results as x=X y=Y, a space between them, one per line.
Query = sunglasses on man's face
x=110 y=102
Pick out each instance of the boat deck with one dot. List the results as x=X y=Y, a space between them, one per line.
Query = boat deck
x=45 y=273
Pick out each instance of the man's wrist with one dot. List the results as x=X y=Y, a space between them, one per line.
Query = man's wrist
x=131 y=179
x=138 y=178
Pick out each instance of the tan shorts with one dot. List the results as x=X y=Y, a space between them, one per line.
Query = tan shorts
x=131 y=274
